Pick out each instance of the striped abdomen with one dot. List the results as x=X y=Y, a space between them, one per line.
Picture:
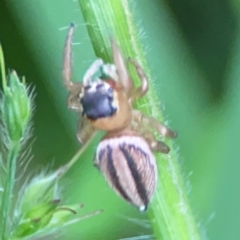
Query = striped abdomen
x=128 y=166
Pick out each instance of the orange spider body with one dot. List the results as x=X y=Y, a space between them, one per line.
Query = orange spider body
x=124 y=155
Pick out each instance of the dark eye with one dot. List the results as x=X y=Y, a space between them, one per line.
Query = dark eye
x=99 y=86
x=110 y=90
x=87 y=88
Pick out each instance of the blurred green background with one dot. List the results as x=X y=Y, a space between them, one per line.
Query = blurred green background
x=193 y=49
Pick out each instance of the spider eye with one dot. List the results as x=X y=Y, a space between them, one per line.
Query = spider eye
x=110 y=90
x=86 y=88
x=99 y=86
x=97 y=101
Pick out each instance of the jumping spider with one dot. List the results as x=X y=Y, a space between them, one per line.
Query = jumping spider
x=124 y=155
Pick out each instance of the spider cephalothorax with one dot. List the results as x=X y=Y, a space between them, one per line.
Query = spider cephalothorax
x=124 y=155
x=98 y=100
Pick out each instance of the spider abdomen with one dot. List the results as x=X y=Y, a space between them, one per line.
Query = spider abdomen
x=128 y=166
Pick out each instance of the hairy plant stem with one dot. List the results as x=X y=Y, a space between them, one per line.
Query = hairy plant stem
x=169 y=212
x=13 y=151
x=15 y=114
x=9 y=178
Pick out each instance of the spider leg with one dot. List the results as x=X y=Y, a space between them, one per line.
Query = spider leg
x=143 y=88
x=153 y=123
x=149 y=136
x=85 y=130
x=96 y=65
x=73 y=99
x=73 y=88
x=67 y=60
x=124 y=79
x=155 y=145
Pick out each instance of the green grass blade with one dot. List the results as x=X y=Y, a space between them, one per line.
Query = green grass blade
x=169 y=213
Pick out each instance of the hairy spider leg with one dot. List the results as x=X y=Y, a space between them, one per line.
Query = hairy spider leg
x=143 y=88
x=157 y=126
x=67 y=60
x=95 y=66
x=122 y=71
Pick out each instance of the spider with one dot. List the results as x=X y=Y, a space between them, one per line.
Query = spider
x=124 y=155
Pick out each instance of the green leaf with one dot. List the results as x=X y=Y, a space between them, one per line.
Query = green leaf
x=170 y=214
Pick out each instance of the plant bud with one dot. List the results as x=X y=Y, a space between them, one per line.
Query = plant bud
x=16 y=109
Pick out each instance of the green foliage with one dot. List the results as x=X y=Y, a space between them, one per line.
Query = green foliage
x=15 y=116
x=36 y=212
x=192 y=49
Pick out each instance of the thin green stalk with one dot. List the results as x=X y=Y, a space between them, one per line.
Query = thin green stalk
x=16 y=109
x=8 y=187
x=2 y=66
x=12 y=155
x=169 y=212
x=64 y=169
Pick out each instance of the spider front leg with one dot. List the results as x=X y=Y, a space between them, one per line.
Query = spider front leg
x=122 y=71
x=67 y=60
x=73 y=99
x=143 y=88
x=73 y=88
